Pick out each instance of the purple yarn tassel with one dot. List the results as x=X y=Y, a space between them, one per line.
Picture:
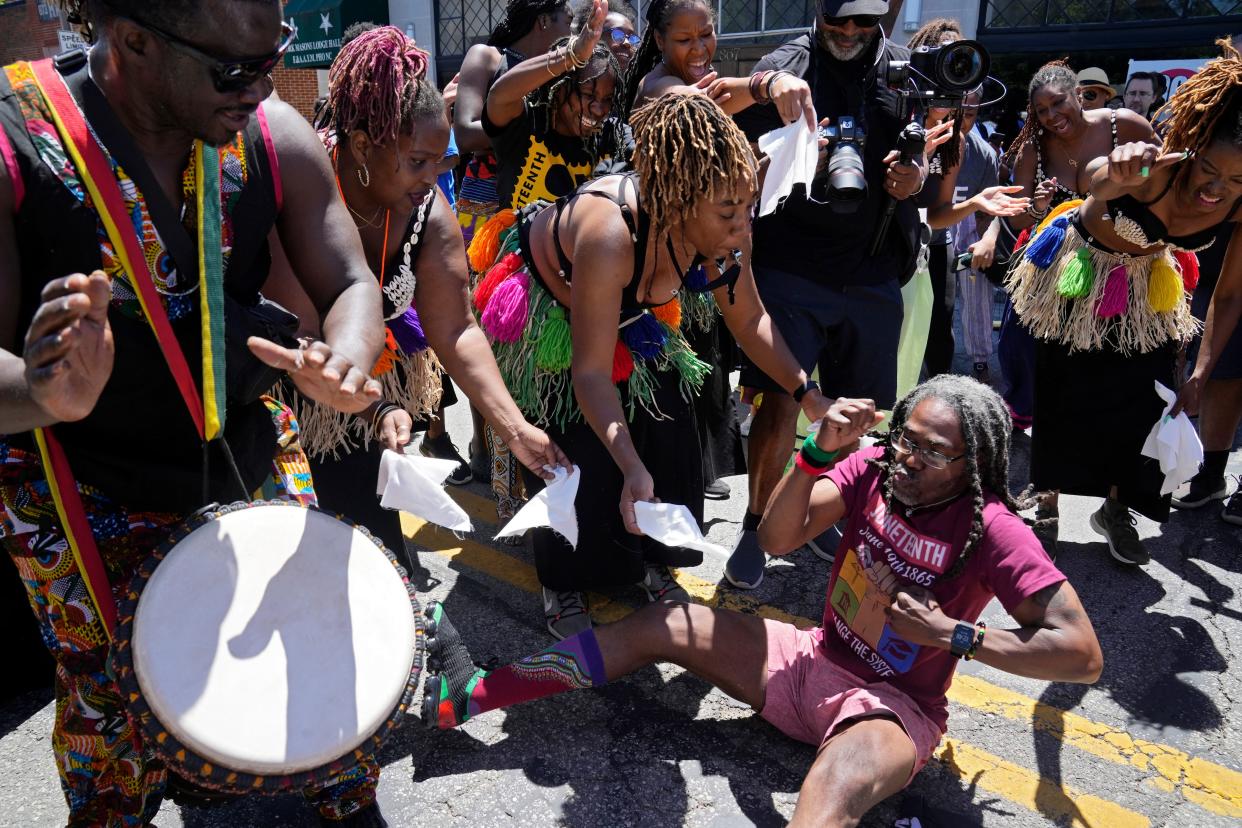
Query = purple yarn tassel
x=407 y=329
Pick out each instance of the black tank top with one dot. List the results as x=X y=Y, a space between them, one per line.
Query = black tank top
x=139 y=446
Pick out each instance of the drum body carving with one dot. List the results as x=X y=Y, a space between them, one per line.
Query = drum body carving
x=268 y=646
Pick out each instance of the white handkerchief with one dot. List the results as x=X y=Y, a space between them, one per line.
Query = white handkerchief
x=1174 y=442
x=415 y=484
x=792 y=152
x=672 y=525
x=554 y=507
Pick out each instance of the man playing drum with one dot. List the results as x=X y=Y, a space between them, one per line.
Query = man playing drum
x=100 y=462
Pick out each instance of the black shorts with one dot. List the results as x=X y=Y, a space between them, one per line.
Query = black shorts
x=850 y=333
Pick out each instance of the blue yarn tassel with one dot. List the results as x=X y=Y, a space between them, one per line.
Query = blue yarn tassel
x=645 y=337
x=407 y=329
x=1042 y=251
x=696 y=279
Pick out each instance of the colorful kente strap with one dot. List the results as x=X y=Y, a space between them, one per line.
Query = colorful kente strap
x=98 y=178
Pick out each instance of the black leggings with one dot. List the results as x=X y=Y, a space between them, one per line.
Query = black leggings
x=346 y=486
x=940 y=345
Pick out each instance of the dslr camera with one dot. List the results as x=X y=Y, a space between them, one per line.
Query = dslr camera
x=847 y=186
x=940 y=76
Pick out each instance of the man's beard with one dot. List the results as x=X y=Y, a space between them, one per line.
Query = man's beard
x=840 y=51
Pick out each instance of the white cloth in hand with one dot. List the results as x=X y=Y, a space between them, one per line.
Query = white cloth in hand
x=1174 y=443
x=415 y=484
x=792 y=152
x=672 y=525
x=553 y=507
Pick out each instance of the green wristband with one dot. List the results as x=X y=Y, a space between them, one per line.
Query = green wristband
x=816 y=453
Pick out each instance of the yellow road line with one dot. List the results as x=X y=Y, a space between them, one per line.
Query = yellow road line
x=1058 y=803
x=1213 y=787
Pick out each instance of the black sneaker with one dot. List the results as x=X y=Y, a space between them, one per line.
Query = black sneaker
x=825 y=543
x=1232 y=511
x=745 y=567
x=442 y=447
x=367 y=817
x=565 y=613
x=451 y=672
x=1199 y=492
x=1116 y=524
x=717 y=490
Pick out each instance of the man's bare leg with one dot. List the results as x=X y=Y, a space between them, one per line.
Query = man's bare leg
x=864 y=763
x=771 y=444
x=726 y=648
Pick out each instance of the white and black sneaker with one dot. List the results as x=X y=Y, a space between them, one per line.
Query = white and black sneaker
x=1232 y=510
x=825 y=543
x=660 y=585
x=565 y=613
x=1199 y=492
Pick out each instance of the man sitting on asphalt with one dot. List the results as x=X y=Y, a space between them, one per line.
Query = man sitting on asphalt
x=932 y=536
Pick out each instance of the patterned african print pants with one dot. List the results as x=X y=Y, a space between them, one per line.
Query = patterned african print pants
x=108 y=776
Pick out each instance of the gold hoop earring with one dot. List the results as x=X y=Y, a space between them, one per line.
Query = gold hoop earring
x=365 y=181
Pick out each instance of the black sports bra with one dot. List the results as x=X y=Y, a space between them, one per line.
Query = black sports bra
x=1134 y=221
x=640 y=230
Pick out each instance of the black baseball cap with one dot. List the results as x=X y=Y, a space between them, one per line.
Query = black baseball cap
x=848 y=8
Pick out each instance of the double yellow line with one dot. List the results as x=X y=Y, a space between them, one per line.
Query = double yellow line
x=1210 y=786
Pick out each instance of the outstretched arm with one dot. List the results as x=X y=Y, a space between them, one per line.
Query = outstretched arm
x=443 y=291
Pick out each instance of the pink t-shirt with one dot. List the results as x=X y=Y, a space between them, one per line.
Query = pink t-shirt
x=882 y=549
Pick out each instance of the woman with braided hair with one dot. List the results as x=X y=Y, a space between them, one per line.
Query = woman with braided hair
x=582 y=309
x=931 y=538
x=1102 y=287
x=386 y=131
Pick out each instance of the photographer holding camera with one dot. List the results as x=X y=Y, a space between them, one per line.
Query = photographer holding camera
x=837 y=304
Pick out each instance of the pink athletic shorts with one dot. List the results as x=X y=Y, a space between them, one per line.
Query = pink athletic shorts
x=809 y=698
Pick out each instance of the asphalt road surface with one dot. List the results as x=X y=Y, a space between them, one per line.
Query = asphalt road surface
x=1158 y=741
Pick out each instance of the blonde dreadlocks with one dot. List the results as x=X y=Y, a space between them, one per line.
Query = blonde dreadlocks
x=686 y=149
x=1207 y=106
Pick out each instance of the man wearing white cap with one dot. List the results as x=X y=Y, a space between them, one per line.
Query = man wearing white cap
x=1093 y=88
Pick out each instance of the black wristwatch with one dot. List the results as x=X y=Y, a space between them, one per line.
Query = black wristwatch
x=962 y=640
x=800 y=391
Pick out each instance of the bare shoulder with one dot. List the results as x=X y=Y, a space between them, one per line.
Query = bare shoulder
x=1132 y=126
x=480 y=57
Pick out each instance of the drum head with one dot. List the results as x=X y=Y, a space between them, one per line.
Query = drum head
x=274 y=639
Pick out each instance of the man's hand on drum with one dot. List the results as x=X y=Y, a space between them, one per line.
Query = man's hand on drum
x=535 y=449
x=324 y=376
x=69 y=350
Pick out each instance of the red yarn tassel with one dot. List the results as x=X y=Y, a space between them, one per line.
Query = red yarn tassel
x=1023 y=238
x=1189 y=264
x=498 y=273
x=622 y=362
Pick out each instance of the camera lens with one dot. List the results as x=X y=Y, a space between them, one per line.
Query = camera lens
x=962 y=66
x=846 y=182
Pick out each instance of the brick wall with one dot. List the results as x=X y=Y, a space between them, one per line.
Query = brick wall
x=297 y=87
x=23 y=36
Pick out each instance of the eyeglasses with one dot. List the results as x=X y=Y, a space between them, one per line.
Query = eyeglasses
x=619 y=36
x=862 y=21
x=930 y=457
x=227 y=75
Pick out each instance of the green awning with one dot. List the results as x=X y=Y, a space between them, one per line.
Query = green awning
x=319 y=25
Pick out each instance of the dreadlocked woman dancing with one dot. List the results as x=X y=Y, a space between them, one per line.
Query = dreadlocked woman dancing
x=603 y=366
x=386 y=131
x=932 y=536
x=1101 y=288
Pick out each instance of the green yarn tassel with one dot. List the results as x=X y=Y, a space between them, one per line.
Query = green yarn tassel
x=554 y=350
x=690 y=369
x=1077 y=276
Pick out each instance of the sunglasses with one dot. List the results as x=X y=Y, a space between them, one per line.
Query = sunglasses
x=862 y=21
x=1090 y=95
x=227 y=75
x=619 y=36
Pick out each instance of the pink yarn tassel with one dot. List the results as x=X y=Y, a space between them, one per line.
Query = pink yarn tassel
x=1116 y=295
x=505 y=316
